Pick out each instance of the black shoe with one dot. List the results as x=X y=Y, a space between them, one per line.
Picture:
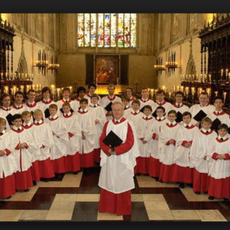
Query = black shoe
x=137 y=174
x=211 y=197
x=26 y=190
x=181 y=185
x=34 y=183
x=197 y=193
x=75 y=173
x=45 y=179
x=7 y=198
x=190 y=185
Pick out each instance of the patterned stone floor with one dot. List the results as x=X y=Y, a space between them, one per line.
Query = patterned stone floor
x=75 y=198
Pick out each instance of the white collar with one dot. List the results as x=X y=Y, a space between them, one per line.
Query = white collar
x=66 y=100
x=112 y=96
x=115 y=120
x=3 y=131
x=223 y=138
x=158 y=102
x=148 y=117
x=178 y=104
x=158 y=118
x=7 y=109
x=29 y=124
x=205 y=130
x=17 y=128
x=173 y=123
x=219 y=111
x=83 y=111
x=94 y=105
x=135 y=111
x=54 y=117
x=145 y=100
x=31 y=103
x=67 y=114
x=38 y=122
x=127 y=106
x=185 y=125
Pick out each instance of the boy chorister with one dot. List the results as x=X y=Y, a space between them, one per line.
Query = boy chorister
x=18 y=107
x=31 y=105
x=8 y=141
x=160 y=101
x=219 y=116
x=154 y=163
x=203 y=106
x=108 y=100
x=28 y=125
x=129 y=94
x=134 y=114
x=61 y=138
x=198 y=155
x=125 y=102
x=86 y=149
x=99 y=119
x=167 y=147
x=44 y=142
x=6 y=110
x=23 y=154
x=144 y=135
x=46 y=101
x=145 y=100
x=179 y=107
x=183 y=168
x=92 y=88
x=66 y=98
x=81 y=92
x=219 y=167
x=70 y=120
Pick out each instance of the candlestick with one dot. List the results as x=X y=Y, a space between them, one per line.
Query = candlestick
x=222 y=73
x=193 y=91
x=225 y=93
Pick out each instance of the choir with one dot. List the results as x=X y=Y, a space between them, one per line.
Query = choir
x=177 y=144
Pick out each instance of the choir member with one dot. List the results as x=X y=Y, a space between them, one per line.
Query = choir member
x=106 y=101
x=91 y=90
x=125 y=102
x=201 y=110
x=219 y=173
x=160 y=101
x=179 y=107
x=167 y=146
x=154 y=162
x=60 y=135
x=183 y=172
x=129 y=94
x=198 y=155
x=86 y=148
x=117 y=164
x=44 y=142
x=99 y=119
x=145 y=99
x=81 y=92
x=66 y=98
x=28 y=125
x=134 y=114
x=219 y=116
x=18 y=107
x=74 y=131
x=144 y=135
x=22 y=153
x=6 y=110
x=8 y=141
x=46 y=101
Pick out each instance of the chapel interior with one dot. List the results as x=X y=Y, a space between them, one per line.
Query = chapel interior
x=189 y=52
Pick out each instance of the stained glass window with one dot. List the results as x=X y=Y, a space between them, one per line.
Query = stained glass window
x=107 y=30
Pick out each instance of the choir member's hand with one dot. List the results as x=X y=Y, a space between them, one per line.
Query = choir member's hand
x=205 y=158
x=2 y=153
x=221 y=157
x=22 y=145
x=171 y=141
x=157 y=137
x=187 y=145
x=144 y=141
x=42 y=147
x=96 y=121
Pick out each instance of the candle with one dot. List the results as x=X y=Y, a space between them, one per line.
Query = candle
x=228 y=76
x=58 y=92
x=174 y=88
x=193 y=91
x=170 y=95
x=209 y=91
x=152 y=92
x=226 y=72
x=52 y=89
x=22 y=88
x=182 y=88
x=178 y=88
x=186 y=90
x=163 y=87
x=200 y=90
x=225 y=93
x=222 y=73
x=216 y=93
x=71 y=89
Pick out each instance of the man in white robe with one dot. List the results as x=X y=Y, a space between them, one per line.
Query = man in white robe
x=117 y=165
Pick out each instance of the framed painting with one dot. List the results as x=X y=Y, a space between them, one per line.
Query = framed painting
x=107 y=69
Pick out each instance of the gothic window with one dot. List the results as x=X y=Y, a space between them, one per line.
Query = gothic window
x=107 y=30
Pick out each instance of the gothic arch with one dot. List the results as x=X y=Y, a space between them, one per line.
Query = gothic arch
x=191 y=67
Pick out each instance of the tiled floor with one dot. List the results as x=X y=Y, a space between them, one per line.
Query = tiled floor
x=76 y=197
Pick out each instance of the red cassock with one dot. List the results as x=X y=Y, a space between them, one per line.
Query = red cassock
x=117 y=171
